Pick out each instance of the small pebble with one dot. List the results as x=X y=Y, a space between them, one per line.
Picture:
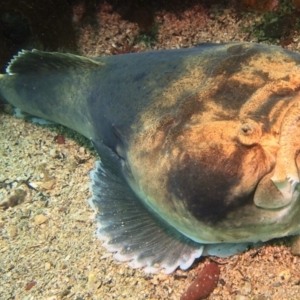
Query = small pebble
x=13 y=232
x=30 y=285
x=285 y=274
x=276 y=284
x=246 y=288
x=93 y=282
x=53 y=152
x=39 y=219
x=48 y=185
x=17 y=197
x=47 y=266
x=295 y=249
x=60 y=139
x=82 y=150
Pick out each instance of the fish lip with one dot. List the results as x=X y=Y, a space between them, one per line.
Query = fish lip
x=286 y=171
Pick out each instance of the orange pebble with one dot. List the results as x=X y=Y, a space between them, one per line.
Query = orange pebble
x=204 y=284
x=30 y=285
x=60 y=139
x=261 y=5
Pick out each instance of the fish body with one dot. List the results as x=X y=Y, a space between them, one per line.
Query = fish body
x=199 y=147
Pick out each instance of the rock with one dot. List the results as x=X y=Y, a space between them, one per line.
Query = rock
x=246 y=288
x=47 y=266
x=16 y=197
x=48 y=185
x=295 y=249
x=39 y=219
x=30 y=285
x=204 y=284
x=13 y=232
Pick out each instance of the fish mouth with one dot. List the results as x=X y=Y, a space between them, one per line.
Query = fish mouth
x=284 y=179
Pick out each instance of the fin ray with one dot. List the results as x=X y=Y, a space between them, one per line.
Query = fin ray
x=36 y=61
x=130 y=230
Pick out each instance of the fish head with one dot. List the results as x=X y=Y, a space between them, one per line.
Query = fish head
x=223 y=165
x=202 y=178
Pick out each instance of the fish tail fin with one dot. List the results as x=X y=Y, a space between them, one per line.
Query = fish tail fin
x=53 y=86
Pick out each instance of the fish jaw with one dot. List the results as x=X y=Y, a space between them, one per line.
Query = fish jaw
x=286 y=174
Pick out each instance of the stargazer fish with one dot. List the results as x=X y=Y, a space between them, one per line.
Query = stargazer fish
x=199 y=147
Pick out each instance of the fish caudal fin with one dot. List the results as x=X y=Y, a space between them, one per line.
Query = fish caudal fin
x=130 y=230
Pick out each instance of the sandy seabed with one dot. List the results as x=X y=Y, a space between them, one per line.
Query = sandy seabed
x=48 y=248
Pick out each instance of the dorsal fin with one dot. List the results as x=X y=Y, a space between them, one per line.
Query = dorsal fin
x=36 y=61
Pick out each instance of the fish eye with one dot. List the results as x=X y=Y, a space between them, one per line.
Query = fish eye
x=249 y=133
x=247 y=129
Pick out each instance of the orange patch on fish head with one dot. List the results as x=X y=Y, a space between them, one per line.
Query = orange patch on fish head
x=219 y=165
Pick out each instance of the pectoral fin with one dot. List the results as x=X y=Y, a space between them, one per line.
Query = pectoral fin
x=129 y=229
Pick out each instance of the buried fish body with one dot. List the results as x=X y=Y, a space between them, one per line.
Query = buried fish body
x=199 y=147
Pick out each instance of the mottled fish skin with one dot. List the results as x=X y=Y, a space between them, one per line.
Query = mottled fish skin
x=198 y=164
x=206 y=137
